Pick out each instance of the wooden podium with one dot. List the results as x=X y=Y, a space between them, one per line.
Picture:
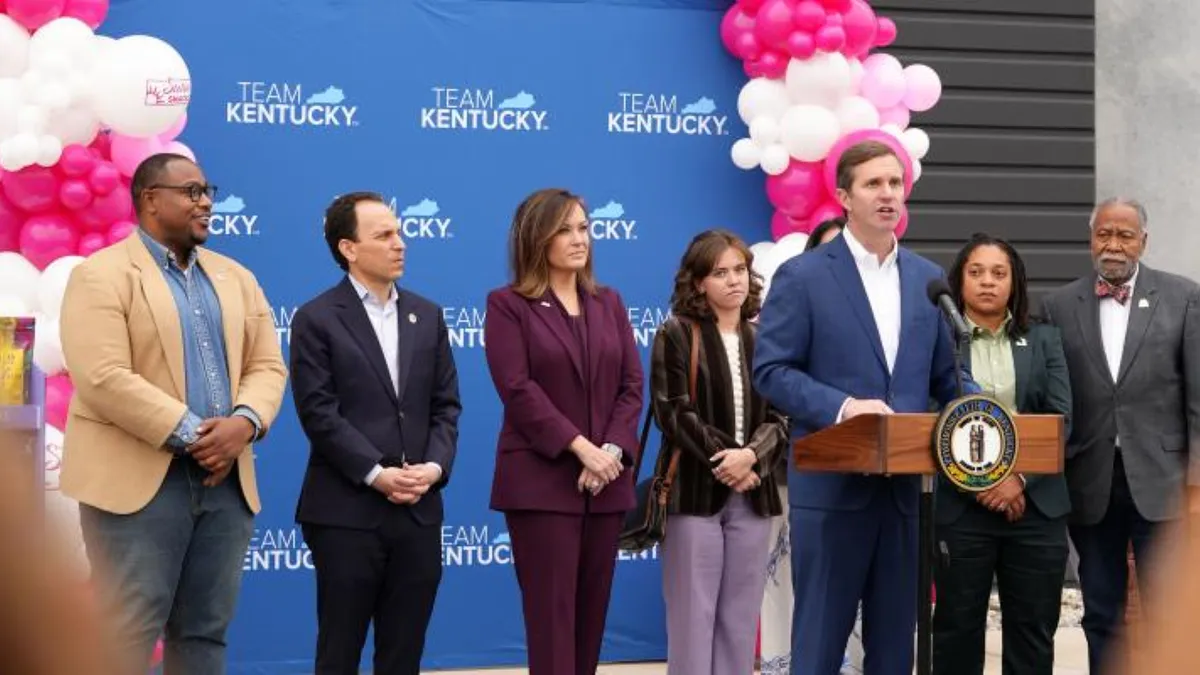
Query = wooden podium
x=902 y=444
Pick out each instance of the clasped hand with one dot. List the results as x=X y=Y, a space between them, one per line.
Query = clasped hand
x=1008 y=498
x=222 y=440
x=734 y=467
x=406 y=484
x=599 y=469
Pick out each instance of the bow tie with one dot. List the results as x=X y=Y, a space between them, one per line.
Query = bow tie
x=1107 y=290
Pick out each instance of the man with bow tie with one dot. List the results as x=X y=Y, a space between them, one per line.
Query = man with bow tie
x=1132 y=341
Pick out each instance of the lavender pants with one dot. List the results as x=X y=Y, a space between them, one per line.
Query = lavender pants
x=714 y=571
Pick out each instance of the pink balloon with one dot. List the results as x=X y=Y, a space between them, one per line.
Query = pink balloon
x=91 y=12
x=747 y=47
x=797 y=190
x=902 y=224
x=924 y=87
x=773 y=23
x=75 y=194
x=856 y=137
x=735 y=25
x=827 y=210
x=839 y=6
x=33 y=189
x=58 y=399
x=33 y=14
x=782 y=225
x=773 y=65
x=830 y=38
x=120 y=231
x=47 y=237
x=129 y=151
x=102 y=144
x=809 y=16
x=886 y=33
x=76 y=161
x=883 y=80
x=107 y=209
x=11 y=220
x=896 y=114
x=861 y=25
x=801 y=45
x=90 y=243
x=104 y=178
x=177 y=148
x=751 y=68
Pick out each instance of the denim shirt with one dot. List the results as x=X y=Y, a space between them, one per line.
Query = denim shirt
x=206 y=370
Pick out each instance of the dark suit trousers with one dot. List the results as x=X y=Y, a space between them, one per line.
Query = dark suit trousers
x=1103 y=551
x=564 y=567
x=1029 y=561
x=389 y=575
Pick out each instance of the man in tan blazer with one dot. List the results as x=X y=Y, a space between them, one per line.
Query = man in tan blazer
x=177 y=370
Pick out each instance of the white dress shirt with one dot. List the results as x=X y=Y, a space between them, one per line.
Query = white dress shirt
x=1114 y=324
x=881 y=281
x=382 y=315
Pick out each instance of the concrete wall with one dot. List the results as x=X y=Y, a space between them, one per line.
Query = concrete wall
x=1148 y=120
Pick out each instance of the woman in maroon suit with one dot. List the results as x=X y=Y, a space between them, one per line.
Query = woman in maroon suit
x=561 y=353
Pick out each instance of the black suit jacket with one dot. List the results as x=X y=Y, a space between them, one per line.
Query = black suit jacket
x=1043 y=387
x=354 y=418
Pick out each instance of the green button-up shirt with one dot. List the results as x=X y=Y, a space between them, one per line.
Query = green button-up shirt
x=992 y=362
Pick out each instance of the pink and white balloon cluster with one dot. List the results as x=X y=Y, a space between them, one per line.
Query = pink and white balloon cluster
x=817 y=89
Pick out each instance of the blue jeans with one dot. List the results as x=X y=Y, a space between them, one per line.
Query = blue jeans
x=173 y=568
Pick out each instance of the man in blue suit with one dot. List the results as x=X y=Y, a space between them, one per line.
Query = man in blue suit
x=848 y=330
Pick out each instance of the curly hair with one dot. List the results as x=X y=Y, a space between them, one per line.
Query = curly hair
x=698 y=262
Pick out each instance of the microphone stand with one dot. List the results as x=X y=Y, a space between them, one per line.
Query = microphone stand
x=926 y=551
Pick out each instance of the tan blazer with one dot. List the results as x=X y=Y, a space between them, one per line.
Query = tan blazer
x=123 y=347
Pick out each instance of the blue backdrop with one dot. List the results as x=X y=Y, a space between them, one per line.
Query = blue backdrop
x=454 y=110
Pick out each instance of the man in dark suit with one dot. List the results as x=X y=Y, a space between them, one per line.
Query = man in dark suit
x=376 y=390
x=848 y=330
x=1132 y=340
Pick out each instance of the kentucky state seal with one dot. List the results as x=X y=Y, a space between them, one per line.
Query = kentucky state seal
x=975 y=443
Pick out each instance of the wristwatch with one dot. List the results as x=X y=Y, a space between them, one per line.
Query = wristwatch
x=614 y=450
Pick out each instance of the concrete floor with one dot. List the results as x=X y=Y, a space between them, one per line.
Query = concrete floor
x=1070 y=658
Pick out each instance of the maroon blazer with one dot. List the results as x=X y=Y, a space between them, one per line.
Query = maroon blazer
x=550 y=396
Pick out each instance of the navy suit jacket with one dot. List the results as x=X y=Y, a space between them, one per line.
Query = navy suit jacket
x=818 y=344
x=551 y=394
x=352 y=415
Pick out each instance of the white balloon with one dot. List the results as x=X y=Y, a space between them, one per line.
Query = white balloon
x=49 y=151
x=809 y=131
x=19 y=277
x=916 y=170
x=856 y=76
x=11 y=305
x=893 y=130
x=142 y=86
x=18 y=152
x=77 y=124
x=53 y=95
x=764 y=130
x=11 y=101
x=791 y=245
x=775 y=159
x=916 y=141
x=822 y=80
x=65 y=40
x=14 y=47
x=31 y=82
x=762 y=97
x=31 y=119
x=758 y=250
x=47 y=346
x=745 y=154
x=53 y=284
x=856 y=112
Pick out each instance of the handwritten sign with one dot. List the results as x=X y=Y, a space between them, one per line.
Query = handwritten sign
x=169 y=92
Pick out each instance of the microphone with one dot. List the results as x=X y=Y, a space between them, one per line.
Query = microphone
x=939 y=294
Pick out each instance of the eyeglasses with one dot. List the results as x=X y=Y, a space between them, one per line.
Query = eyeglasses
x=194 y=191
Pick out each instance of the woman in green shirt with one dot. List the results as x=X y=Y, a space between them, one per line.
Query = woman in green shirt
x=1017 y=531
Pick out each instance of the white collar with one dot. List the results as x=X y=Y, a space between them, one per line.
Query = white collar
x=863 y=257
x=364 y=294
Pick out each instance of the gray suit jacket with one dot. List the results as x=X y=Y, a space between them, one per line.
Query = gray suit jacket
x=1154 y=406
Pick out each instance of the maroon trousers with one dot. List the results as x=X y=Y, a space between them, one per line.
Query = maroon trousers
x=564 y=567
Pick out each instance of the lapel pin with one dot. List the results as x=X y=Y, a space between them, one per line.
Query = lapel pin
x=1143 y=303
x=1022 y=343
x=545 y=304
x=412 y=318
